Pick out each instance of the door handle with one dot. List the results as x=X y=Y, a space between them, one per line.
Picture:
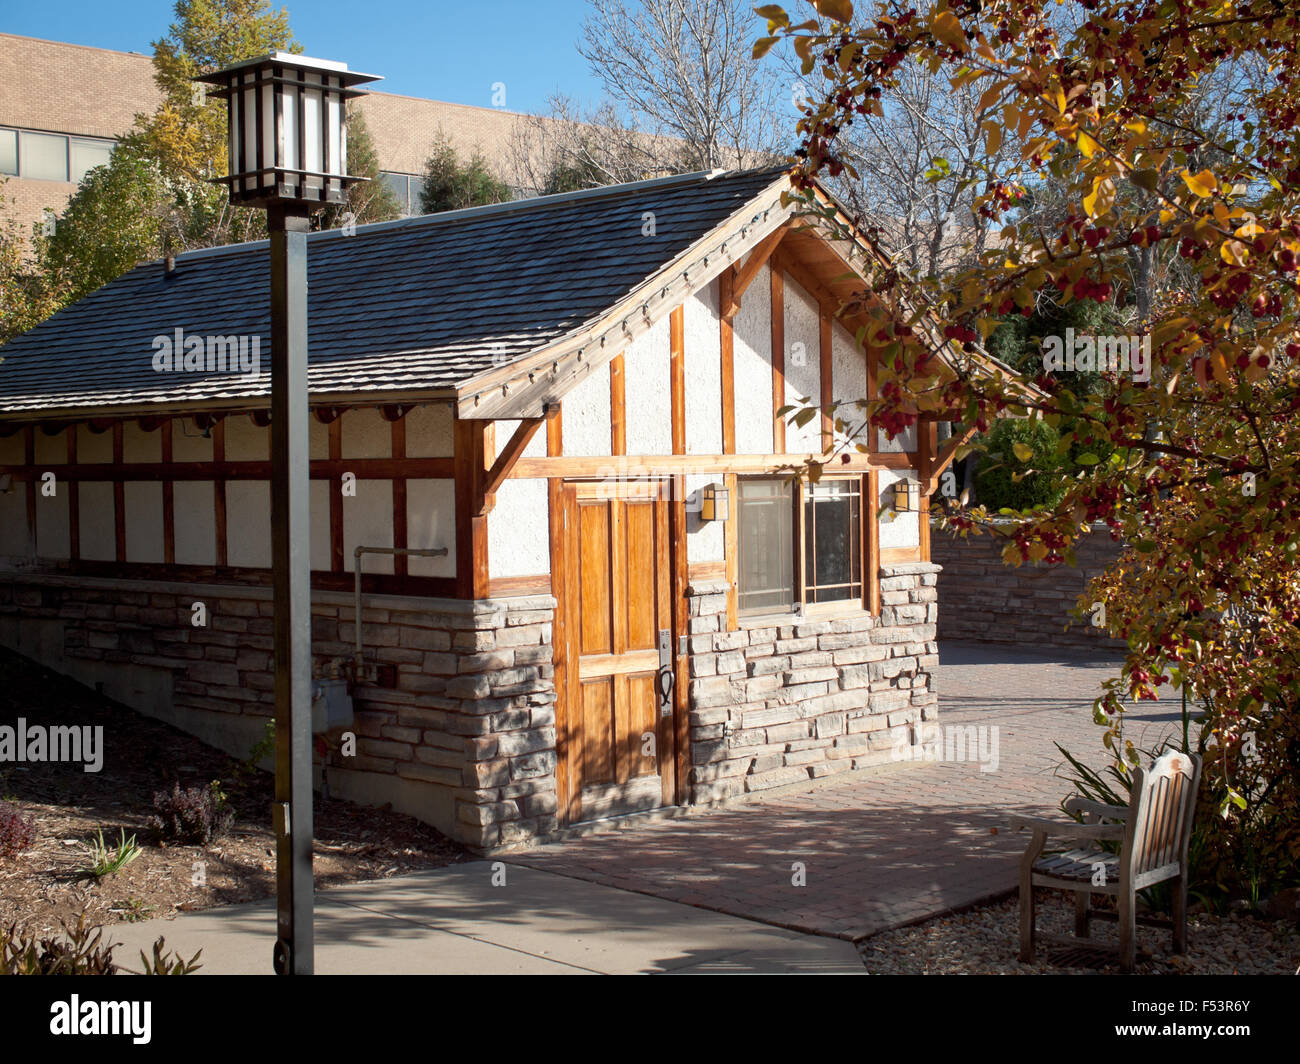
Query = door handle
x=664 y=678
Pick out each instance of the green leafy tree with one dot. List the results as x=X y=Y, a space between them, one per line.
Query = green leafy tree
x=25 y=295
x=451 y=184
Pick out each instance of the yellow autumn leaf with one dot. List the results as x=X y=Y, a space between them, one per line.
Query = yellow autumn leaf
x=992 y=137
x=947 y=27
x=1023 y=451
x=1101 y=199
x=1087 y=145
x=1234 y=252
x=1037 y=551
x=1202 y=184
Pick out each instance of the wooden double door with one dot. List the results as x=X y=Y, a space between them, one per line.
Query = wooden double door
x=616 y=663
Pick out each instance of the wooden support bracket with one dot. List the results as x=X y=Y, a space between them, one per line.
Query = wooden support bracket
x=745 y=274
x=944 y=458
x=505 y=461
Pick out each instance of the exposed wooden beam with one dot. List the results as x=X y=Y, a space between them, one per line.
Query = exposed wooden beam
x=727 y=349
x=677 y=377
x=873 y=544
x=778 y=359
x=617 y=406
x=745 y=274
x=471 y=526
x=510 y=454
x=673 y=465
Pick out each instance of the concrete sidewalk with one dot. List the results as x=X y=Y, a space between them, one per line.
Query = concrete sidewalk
x=454 y=921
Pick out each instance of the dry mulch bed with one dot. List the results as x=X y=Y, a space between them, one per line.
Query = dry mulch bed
x=986 y=940
x=40 y=886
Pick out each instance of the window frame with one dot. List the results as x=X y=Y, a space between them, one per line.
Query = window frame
x=799 y=560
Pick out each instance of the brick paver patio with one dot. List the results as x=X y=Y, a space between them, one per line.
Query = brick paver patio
x=886 y=846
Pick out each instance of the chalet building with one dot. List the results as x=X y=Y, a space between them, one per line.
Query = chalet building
x=546 y=432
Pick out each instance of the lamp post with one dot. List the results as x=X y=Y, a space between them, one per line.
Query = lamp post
x=288 y=155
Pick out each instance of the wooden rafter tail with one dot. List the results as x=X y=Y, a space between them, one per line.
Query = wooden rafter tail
x=505 y=461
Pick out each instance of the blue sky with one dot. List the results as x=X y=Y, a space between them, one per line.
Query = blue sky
x=432 y=48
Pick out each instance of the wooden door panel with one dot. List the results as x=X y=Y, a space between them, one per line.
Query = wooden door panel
x=622 y=600
x=595 y=633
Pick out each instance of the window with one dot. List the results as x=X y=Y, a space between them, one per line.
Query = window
x=8 y=152
x=799 y=544
x=766 y=533
x=86 y=154
x=832 y=541
x=44 y=156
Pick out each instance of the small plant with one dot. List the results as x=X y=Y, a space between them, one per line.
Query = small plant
x=80 y=951
x=77 y=952
x=16 y=830
x=163 y=962
x=134 y=910
x=194 y=815
x=106 y=861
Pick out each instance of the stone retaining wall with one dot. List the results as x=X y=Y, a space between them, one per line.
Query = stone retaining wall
x=785 y=701
x=465 y=739
x=986 y=601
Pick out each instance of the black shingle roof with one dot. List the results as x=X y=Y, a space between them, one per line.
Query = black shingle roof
x=426 y=303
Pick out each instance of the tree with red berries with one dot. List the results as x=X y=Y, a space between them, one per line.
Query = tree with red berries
x=1186 y=215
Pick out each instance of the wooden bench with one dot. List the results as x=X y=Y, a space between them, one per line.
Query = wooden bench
x=1154 y=831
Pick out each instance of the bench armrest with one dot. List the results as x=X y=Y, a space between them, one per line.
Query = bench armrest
x=1087 y=805
x=1067 y=828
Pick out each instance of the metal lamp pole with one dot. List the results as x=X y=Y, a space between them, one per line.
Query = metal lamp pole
x=290 y=560
x=288 y=154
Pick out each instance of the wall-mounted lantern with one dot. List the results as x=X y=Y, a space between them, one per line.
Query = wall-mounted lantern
x=715 y=503
x=907 y=496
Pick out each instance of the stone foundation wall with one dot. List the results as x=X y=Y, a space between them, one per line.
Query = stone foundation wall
x=781 y=702
x=465 y=739
x=986 y=601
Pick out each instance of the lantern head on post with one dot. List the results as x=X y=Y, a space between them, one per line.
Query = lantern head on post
x=288 y=145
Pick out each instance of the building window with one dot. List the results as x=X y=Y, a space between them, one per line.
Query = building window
x=85 y=154
x=799 y=544
x=832 y=540
x=9 y=152
x=766 y=533
x=43 y=156
x=51 y=156
x=406 y=187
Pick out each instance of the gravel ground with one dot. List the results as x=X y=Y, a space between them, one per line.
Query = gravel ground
x=984 y=941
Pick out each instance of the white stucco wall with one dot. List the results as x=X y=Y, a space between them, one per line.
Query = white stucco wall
x=429 y=432
x=366 y=435
x=905 y=529
x=705 y=541
x=246 y=442
x=848 y=384
x=519 y=531
x=248 y=523
x=92 y=446
x=141 y=446
x=586 y=416
x=53 y=528
x=904 y=441
x=802 y=365
x=194 y=506
x=647 y=388
x=703 y=372
x=752 y=361
x=188 y=442
x=431 y=523
x=50 y=450
x=368 y=520
x=503 y=430
x=98 y=537
x=143 y=503
x=13 y=522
